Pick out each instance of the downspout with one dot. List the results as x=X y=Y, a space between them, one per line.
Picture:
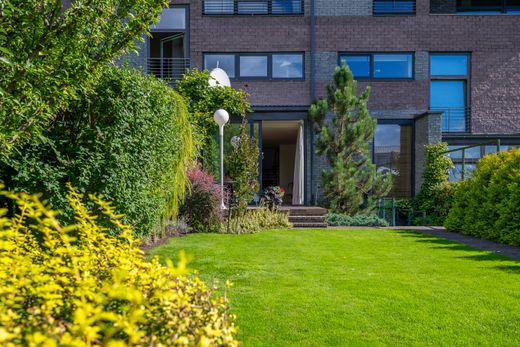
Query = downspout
x=313 y=88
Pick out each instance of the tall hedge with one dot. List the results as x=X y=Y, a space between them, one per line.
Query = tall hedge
x=487 y=205
x=127 y=138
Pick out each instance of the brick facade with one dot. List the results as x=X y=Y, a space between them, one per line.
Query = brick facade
x=493 y=42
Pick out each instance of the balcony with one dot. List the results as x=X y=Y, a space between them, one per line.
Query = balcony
x=454 y=119
x=168 y=69
x=253 y=7
x=394 y=8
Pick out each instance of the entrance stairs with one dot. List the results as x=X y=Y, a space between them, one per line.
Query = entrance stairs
x=306 y=216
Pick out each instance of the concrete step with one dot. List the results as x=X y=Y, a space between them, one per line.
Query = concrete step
x=307 y=219
x=310 y=225
x=306 y=211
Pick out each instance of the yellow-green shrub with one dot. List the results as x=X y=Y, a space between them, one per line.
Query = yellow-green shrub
x=78 y=286
x=487 y=205
x=253 y=221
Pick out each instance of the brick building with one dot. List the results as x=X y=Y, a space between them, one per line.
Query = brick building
x=440 y=70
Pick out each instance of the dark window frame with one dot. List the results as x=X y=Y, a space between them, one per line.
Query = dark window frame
x=501 y=8
x=371 y=74
x=394 y=13
x=462 y=78
x=269 y=55
x=268 y=14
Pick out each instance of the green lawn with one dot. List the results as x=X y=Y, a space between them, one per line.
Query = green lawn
x=359 y=287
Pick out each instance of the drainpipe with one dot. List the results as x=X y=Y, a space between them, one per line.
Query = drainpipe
x=312 y=87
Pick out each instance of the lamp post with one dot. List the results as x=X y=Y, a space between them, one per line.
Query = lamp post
x=221 y=117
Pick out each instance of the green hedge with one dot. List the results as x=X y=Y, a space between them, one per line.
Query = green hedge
x=127 y=138
x=338 y=219
x=488 y=204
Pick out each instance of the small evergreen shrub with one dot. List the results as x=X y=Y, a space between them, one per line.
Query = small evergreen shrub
x=256 y=220
x=201 y=208
x=487 y=205
x=339 y=219
x=436 y=195
x=76 y=285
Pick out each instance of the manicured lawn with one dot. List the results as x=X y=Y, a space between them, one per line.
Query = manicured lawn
x=359 y=287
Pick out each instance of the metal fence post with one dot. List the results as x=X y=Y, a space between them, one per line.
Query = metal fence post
x=463 y=173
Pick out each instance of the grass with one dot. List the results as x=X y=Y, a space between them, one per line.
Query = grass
x=359 y=287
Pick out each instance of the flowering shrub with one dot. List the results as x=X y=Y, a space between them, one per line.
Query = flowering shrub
x=78 y=286
x=201 y=208
x=273 y=197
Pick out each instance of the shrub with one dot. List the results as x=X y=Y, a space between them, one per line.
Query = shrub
x=76 y=285
x=436 y=195
x=339 y=219
x=273 y=197
x=129 y=139
x=256 y=220
x=201 y=208
x=487 y=204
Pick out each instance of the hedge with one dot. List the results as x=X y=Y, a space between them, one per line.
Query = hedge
x=339 y=219
x=127 y=138
x=487 y=204
x=76 y=285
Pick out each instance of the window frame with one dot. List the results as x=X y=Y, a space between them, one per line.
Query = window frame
x=268 y=14
x=462 y=78
x=391 y=14
x=269 y=55
x=502 y=8
x=371 y=74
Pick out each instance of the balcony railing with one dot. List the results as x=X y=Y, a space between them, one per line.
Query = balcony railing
x=252 y=7
x=394 y=7
x=454 y=119
x=168 y=69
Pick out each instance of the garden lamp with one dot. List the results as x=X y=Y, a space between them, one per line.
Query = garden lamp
x=221 y=117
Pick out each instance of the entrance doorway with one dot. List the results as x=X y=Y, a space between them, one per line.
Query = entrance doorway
x=283 y=158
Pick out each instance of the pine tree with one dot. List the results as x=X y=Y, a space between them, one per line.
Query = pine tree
x=351 y=185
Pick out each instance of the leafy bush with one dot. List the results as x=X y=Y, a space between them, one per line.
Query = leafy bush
x=50 y=51
x=436 y=195
x=273 y=197
x=242 y=164
x=256 y=220
x=487 y=204
x=202 y=101
x=339 y=219
x=201 y=208
x=128 y=139
x=76 y=285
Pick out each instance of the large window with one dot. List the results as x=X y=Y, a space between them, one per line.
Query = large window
x=379 y=65
x=488 y=6
x=394 y=7
x=171 y=19
x=275 y=66
x=393 y=155
x=253 y=7
x=448 y=90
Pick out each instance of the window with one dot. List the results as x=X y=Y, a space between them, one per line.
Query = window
x=393 y=66
x=253 y=66
x=448 y=90
x=488 y=6
x=253 y=7
x=171 y=19
x=449 y=65
x=392 y=154
x=258 y=65
x=379 y=65
x=394 y=7
x=218 y=6
x=287 y=66
x=224 y=61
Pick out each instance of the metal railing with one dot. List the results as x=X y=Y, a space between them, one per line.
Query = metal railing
x=394 y=7
x=252 y=7
x=169 y=69
x=454 y=119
